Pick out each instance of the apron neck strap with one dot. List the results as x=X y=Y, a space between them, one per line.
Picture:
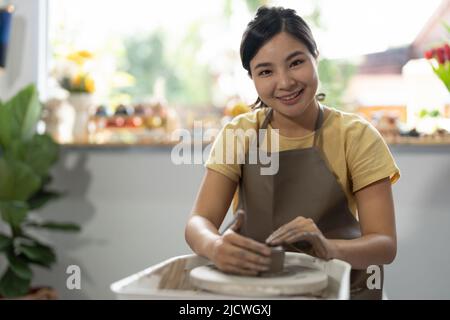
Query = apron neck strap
x=317 y=125
x=267 y=119
x=264 y=125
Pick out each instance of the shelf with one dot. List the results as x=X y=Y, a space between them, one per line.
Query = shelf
x=419 y=141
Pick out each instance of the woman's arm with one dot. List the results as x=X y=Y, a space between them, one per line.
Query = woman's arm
x=230 y=252
x=211 y=206
x=378 y=242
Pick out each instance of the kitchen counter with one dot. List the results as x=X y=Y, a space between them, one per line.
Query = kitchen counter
x=419 y=141
x=392 y=141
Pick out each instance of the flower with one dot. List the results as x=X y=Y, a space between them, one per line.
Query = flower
x=80 y=82
x=77 y=78
x=439 y=58
x=80 y=57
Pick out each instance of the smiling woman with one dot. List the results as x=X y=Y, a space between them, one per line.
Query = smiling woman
x=331 y=196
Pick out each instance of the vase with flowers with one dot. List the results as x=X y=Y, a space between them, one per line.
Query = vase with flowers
x=439 y=59
x=80 y=85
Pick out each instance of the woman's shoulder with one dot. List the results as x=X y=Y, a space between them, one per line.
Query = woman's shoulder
x=353 y=131
x=348 y=122
x=248 y=120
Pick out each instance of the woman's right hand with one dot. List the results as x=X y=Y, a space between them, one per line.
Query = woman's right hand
x=234 y=253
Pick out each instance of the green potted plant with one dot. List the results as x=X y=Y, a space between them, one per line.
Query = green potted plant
x=25 y=162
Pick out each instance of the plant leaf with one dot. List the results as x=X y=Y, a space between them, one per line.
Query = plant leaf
x=41 y=154
x=62 y=226
x=38 y=253
x=25 y=110
x=5 y=242
x=5 y=125
x=20 y=267
x=40 y=198
x=16 y=150
x=17 y=180
x=12 y=286
x=13 y=212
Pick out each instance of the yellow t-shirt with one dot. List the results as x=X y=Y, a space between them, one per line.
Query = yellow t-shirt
x=354 y=150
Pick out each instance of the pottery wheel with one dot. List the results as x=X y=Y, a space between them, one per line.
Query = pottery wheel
x=293 y=280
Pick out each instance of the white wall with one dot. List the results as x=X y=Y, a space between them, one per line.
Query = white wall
x=26 y=62
x=422 y=199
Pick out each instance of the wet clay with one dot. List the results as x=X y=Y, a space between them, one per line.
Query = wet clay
x=277 y=262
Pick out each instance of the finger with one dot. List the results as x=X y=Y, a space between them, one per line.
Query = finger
x=288 y=234
x=239 y=258
x=281 y=230
x=299 y=223
x=293 y=230
x=246 y=249
x=237 y=261
x=250 y=244
x=244 y=256
x=316 y=241
x=250 y=265
x=300 y=236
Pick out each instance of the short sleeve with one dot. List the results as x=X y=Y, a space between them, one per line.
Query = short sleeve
x=230 y=146
x=368 y=156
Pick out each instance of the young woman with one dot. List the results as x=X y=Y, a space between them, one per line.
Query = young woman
x=333 y=187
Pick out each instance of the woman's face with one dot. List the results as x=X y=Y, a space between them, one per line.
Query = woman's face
x=285 y=75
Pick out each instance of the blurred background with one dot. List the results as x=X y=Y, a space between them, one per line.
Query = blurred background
x=116 y=79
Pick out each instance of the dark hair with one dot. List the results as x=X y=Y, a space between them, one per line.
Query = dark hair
x=269 y=22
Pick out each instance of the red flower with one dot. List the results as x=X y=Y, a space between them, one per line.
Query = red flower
x=439 y=60
x=440 y=55
x=447 y=51
x=429 y=54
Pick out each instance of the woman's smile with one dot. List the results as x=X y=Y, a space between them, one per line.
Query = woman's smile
x=291 y=99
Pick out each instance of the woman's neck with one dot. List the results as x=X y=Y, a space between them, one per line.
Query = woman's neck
x=296 y=127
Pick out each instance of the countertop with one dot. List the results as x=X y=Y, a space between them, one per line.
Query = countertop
x=391 y=141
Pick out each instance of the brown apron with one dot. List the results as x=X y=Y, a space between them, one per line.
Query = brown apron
x=304 y=186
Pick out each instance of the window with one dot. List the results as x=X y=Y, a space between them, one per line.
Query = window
x=186 y=52
x=135 y=50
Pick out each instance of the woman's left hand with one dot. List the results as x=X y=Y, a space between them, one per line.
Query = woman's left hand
x=303 y=229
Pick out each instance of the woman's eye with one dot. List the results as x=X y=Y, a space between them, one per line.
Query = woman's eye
x=264 y=73
x=297 y=62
